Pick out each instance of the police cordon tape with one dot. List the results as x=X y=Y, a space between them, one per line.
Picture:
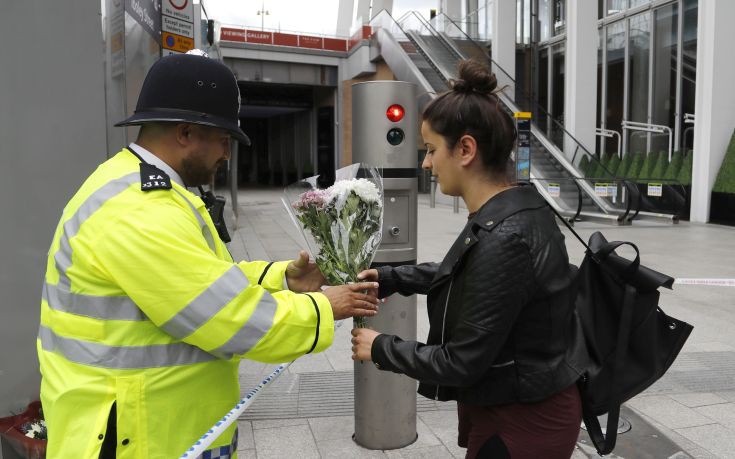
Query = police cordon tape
x=212 y=434
x=216 y=430
x=715 y=282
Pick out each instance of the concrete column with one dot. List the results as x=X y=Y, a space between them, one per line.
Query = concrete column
x=580 y=82
x=472 y=18
x=452 y=8
x=504 y=44
x=345 y=9
x=714 y=104
x=362 y=12
x=380 y=5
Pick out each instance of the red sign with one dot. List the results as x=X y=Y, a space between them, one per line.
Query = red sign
x=229 y=34
x=335 y=44
x=285 y=39
x=360 y=34
x=264 y=38
x=306 y=41
x=366 y=32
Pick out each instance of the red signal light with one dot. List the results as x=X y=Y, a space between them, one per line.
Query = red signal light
x=395 y=113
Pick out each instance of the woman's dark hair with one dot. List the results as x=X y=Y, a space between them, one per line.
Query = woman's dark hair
x=471 y=107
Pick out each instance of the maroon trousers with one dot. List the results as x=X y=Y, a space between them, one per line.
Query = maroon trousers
x=547 y=429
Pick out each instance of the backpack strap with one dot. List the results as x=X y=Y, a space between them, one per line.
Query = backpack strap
x=606 y=443
x=579 y=238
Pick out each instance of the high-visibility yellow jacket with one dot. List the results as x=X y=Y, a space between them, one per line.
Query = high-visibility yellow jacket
x=143 y=306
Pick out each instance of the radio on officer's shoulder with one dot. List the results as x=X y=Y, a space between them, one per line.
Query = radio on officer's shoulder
x=216 y=206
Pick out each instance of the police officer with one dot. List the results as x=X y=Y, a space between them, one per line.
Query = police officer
x=145 y=315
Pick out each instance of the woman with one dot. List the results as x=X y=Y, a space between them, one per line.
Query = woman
x=500 y=304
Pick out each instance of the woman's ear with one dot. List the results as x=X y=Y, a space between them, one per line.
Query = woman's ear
x=467 y=149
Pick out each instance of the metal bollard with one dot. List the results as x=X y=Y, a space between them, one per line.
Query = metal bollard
x=384 y=132
x=432 y=194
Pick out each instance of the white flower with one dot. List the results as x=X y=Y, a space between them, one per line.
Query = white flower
x=364 y=188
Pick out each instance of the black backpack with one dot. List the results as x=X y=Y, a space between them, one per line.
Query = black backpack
x=630 y=341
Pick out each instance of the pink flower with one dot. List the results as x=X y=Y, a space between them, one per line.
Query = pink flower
x=313 y=198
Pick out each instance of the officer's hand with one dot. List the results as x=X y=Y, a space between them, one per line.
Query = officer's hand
x=303 y=275
x=350 y=300
x=370 y=275
x=362 y=343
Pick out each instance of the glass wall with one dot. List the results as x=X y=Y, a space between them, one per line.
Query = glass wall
x=646 y=69
x=557 y=92
x=688 y=71
x=664 y=71
x=639 y=44
x=600 y=77
x=650 y=71
x=615 y=84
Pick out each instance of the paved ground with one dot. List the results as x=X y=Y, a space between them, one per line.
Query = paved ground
x=690 y=412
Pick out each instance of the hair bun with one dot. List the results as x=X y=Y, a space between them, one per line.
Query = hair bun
x=474 y=77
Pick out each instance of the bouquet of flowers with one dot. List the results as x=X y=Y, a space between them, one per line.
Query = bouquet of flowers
x=342 y=224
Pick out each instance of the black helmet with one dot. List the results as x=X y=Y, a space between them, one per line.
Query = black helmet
x=189 y=88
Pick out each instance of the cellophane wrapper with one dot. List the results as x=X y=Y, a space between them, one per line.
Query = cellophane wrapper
x=342 y=224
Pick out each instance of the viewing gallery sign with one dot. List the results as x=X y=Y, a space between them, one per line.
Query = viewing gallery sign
x=235 y=34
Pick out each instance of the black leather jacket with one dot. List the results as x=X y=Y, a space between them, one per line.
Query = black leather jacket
x=501 y=309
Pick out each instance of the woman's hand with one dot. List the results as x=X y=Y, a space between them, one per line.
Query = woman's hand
x=362 y=343
x=369 y=275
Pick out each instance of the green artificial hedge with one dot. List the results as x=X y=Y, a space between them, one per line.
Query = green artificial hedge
x=685 y=173
x=635 y=166
x=625 y=164
x=584 y=164
x=594 y=169
x=612 y=166
x=725 y=182
x=648 y=164
x=673 y=170
x=659 y=168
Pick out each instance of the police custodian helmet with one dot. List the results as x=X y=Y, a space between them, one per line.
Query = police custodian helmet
x=189 y=88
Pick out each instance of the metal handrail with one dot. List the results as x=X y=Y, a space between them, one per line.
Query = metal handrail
x=602 y=132
x=648 y=127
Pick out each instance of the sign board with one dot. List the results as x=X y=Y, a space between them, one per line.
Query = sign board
x=655 y=189
x=231 y=34
x=179 y=9
x=177 y=26
x=602 y=189
x=255 y=36
x=523 y=146
x=307 y=41
x=146 y=13
x=177 y=43
x=554 y=190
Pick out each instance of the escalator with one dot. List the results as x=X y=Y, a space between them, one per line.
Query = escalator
x=434 y=56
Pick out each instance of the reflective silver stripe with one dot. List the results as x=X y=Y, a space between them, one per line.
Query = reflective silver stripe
x=202 y=224
x=208 y=303
x=71 y=227
x=97 y=307
x=253 y=331
x=121 y=357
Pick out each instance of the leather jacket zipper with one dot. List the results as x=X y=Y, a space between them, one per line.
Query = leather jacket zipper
x=444 y=321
